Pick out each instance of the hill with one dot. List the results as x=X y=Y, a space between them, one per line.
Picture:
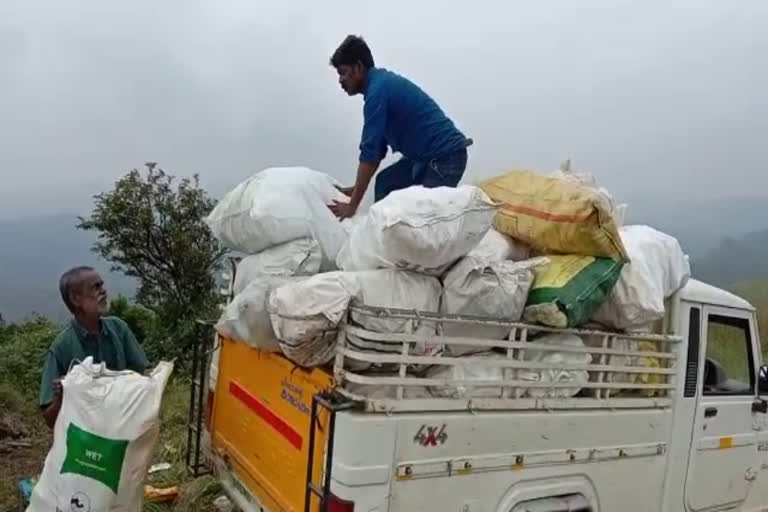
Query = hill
x=34 y=253
x=702 y=225
x=735 y=261
x=756 y=292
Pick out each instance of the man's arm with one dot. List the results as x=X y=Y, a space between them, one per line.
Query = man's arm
x=51 y=391
x=373 y=149
x=365 y=171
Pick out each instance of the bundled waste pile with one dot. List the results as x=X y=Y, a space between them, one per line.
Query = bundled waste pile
x=545 y=249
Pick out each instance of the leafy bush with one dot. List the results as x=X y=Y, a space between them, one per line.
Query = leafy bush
x=22 y=352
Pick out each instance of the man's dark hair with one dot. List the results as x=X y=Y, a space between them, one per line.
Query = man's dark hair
x=67 y=283
x=351 y=51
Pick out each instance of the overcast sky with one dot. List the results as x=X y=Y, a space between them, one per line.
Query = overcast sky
x=664 y=98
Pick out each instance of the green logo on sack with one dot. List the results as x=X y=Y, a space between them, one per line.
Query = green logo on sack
x=94 y=456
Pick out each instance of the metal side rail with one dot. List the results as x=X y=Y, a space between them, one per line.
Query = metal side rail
x=202 y=346
x=333 y=403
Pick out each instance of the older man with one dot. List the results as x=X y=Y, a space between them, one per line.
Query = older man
x=107 y=339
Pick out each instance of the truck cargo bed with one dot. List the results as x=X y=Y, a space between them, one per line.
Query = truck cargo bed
x=261 y=421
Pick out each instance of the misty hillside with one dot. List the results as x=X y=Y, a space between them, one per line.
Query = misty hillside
x=727 y=241
x=34 y=252
x=735 y=261
x=702 y=225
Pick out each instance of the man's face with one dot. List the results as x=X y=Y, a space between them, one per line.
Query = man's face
x=351 y=78
x=90 y=298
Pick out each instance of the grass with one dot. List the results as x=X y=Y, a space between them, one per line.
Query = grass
x=19 y=414
x=756 y=292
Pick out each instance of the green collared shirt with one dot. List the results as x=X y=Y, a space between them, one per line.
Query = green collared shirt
x=115 y=345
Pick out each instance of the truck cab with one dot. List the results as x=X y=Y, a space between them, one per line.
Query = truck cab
x=669 y=420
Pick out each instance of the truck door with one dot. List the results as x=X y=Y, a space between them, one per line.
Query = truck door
x=723 y=452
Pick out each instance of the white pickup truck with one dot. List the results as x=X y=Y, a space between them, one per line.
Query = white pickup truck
x=688 y=432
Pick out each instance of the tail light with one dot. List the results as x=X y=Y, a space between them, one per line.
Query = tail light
x=336 y=504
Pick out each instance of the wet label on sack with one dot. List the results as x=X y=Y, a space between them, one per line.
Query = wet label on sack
x=94 y=456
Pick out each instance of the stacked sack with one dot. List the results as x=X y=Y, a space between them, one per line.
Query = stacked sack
x=598 y=272
x=279 y=219
x=544 y=249
x=305 y=268
x=391 y=259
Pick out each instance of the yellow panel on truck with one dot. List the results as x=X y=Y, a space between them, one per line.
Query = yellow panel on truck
x=260 y=423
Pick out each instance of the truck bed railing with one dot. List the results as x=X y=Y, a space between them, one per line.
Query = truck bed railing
x=627 y=370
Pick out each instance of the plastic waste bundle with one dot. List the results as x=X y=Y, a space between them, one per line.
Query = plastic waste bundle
x=103 y=440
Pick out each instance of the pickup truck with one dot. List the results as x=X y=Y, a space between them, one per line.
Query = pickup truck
x=689 y=432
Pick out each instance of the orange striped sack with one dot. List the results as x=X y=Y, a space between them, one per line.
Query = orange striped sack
x=554 y=215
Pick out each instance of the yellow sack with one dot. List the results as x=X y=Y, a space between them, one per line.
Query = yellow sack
x=554 y=215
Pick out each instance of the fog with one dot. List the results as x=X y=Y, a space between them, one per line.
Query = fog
x=658 y=99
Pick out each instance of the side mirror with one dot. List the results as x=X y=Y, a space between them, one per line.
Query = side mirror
x=762 y=380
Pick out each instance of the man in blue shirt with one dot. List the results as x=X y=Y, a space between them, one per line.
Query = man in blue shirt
x=398 y=114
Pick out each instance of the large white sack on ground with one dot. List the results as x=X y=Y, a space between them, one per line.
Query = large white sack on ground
x=576 y=377
x=103 y=440
x=246 y=318
x=658 y=268
x=496 y=290
x=300 y=257
x=418 y=228
x=277 y=205
x=305 y=314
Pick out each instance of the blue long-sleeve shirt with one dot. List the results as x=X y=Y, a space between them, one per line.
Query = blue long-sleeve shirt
x=399 y=114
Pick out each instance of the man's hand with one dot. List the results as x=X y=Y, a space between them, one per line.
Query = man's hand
x=347 y=191
x=58 y=391
x=365 y=171
x=343 y=210
x=51 y=411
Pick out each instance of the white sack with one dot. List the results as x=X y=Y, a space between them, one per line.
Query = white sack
x=496 y=246
x=103 y=440
x=658 y=268
x=278 y=205
x=246 y=318
x=300 y=257
x=305 y=314
x=496 y=290
x=418 y=228
x=400 y=289
x=479 y=371
x=470 y=371
x=576 y=377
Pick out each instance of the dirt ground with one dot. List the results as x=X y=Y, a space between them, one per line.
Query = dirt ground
x=24 y=443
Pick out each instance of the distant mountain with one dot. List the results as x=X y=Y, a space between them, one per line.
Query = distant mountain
x=702 y=225
x=735 y=260
x=34 y=252
x=727 y=240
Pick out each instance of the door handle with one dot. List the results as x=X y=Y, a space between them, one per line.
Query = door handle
x=760 y=405
x=710 y=412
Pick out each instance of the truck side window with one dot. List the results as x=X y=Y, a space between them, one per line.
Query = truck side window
x=729 y=366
